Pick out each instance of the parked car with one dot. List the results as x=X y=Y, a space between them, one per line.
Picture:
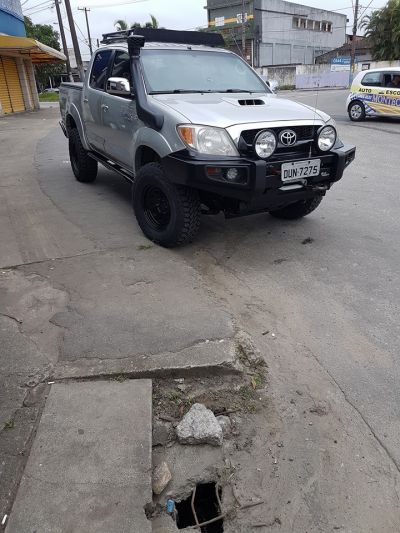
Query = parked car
x=375 y=93
x=196 y=131
x=52 y=90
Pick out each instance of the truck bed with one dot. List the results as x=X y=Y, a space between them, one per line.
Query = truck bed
x=71 y=103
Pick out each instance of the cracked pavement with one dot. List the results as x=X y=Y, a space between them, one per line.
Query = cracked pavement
x=80 y=284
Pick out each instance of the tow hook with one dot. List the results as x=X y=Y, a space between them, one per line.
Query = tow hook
x=319 y=188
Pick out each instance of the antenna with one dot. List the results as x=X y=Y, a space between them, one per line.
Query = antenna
x=315 y=114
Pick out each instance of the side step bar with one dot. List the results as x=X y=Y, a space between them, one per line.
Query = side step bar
x=112 y=166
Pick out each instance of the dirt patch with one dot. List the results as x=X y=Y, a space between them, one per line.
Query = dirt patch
x=243 y=393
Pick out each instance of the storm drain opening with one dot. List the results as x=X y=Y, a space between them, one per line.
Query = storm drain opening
x=203 y=508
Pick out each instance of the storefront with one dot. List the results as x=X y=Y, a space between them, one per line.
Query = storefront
x=17 y=77
x=18 y=55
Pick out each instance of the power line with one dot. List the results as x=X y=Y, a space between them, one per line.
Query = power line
x=363 y=13
x=118 y=4
x=46 y=8
x=80 y=31
x=38 y=5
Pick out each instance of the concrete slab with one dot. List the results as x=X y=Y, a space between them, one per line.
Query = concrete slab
x=216 y=358
x=90 y=466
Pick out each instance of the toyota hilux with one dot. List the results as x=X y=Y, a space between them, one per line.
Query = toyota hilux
x=196 y=131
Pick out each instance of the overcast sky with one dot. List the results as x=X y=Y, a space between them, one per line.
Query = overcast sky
x=174 y=14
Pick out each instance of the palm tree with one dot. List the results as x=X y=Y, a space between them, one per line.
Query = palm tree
x=154 y=22
x=382 y=28
x=121 y=25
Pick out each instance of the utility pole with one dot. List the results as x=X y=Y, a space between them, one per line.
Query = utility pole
x=353 y=42
x=63 y=40
x=243 y=29
x=74 y=38
x=86 y=9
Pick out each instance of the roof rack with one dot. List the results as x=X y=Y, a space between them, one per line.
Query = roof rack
x=166 y=36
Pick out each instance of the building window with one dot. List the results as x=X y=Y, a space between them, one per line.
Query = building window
x=311 y=25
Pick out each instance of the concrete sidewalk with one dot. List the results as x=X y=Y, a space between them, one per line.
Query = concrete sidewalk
x=90 y=465
x=83 y=293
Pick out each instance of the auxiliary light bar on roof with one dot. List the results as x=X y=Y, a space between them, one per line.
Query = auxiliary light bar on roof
x=166 y=36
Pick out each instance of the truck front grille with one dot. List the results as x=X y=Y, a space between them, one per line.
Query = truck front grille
x=306 y=136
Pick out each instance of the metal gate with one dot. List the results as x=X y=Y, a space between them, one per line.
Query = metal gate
x=11 y=96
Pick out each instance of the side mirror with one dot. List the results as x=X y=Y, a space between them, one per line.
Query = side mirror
x=118 y=86
x=268 y=83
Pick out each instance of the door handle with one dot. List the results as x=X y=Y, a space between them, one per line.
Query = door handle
x=86 y=100
x=104 y=107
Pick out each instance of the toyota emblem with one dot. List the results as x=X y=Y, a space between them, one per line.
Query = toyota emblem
x=288 y=137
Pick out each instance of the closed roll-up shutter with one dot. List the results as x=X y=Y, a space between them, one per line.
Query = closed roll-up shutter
x=13 y=84
x=4 y=95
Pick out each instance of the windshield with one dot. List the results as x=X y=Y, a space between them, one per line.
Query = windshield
x=169 y=71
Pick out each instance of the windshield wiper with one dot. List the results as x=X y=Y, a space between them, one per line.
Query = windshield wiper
x=180 y=91
x=236 y=91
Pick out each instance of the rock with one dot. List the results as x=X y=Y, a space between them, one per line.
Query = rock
x=199 y=426
x=35 y=395
x=163 y=433
x=226 y=425
x=161 y=477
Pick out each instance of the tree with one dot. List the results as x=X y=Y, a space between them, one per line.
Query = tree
x=382 y=29
x=122 y=25
x=45 y=34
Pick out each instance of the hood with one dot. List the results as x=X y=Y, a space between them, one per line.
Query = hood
x=224 y=110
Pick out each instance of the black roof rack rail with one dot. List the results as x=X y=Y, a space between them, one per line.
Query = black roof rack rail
x=166 y=36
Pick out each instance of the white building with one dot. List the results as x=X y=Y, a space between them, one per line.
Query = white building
x=279 y=32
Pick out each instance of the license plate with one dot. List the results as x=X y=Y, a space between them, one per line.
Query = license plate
x=300 y=170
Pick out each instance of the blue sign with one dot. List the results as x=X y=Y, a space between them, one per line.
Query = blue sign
x=341 y=61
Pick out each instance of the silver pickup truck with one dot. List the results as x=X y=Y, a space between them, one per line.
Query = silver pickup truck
x=196 y=131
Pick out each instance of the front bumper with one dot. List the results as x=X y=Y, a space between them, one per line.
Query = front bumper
x=264 y=188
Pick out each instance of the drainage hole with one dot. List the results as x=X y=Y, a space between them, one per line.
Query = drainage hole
x=206 y=506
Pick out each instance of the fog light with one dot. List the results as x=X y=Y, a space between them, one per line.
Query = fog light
x=232 y=174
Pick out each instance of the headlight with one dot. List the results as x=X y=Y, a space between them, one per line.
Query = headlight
x=326 y=138
x=265 y=144
x=207 y=140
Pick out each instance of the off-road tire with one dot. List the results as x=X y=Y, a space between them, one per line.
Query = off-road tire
x=83 y=166
x=356 y=117
x=180 y=207
x=298 y=209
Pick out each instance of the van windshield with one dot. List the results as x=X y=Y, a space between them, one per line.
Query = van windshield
x=196 y=71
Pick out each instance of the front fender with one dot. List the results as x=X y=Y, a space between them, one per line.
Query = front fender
x=149 y=138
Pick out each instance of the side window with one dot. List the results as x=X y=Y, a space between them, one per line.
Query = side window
x=372 y=79
x=98 y=74
x=121 y=67
x=392 y=79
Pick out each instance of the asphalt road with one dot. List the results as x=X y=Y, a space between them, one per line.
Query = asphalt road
x=337 y=296
x=319 y=296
